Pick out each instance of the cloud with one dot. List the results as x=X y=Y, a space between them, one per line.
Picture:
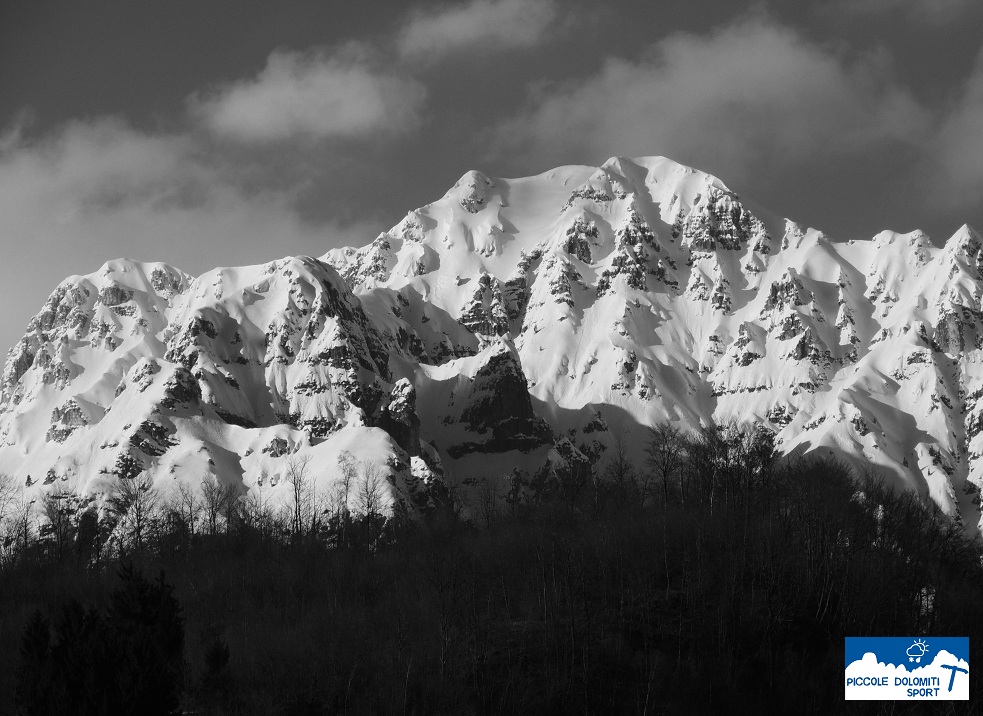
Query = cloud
x=748 y=98
x=314 y=95
x=504 y=24
x=958 y=146
x=94 y=191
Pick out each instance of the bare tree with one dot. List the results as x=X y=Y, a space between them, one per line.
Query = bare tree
x=135 y=505
x=620 y=471
x=304 y=510
x=212 y=502
x=348 y=478
x=338 y=501
x=707 y=463
x=188 y=505
x=666 y=453
x=256 y=513
x=218 y=500
x=370 y=490
x=23 y=524
x=490 y=493
x=369 y=496
x=58 y=511
x=8 y=493
x=8 y=508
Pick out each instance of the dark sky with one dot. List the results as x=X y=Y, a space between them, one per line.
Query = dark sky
x=231 y=131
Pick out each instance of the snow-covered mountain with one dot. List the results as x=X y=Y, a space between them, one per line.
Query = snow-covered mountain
x=514 y=322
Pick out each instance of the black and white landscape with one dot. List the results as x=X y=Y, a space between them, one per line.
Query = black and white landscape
x=532 y=324
x=614 y=436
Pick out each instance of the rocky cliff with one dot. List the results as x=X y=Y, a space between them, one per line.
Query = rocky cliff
x=514 y=323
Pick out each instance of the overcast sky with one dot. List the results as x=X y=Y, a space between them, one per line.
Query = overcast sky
x=236 y=131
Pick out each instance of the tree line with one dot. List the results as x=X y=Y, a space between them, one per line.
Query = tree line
x=714 y=576
x=140 y=518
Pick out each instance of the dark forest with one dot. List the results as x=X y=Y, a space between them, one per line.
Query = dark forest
x=717 y=577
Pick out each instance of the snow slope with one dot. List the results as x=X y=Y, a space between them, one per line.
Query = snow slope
x=515 y=322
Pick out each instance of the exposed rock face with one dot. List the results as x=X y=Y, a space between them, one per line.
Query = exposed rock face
x=472 y=191
x=578 y=240
x=636 y=256
x=399 y=417
x=719 y=220
x=311 y=353
x=485 y=314
x=274 y=347
x=65 y=420
x=499 y=410
x=501 y=316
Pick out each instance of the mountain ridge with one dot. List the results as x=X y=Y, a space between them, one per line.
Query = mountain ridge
x=513 y=323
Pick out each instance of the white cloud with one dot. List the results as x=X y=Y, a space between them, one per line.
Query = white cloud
x=100 y=190
x=314 y=95
x=744 y=99
x=503 y=24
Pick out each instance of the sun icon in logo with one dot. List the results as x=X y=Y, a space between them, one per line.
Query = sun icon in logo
x=916 y=651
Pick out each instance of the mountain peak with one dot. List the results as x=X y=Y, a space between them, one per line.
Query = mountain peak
x=508 y=323
x=963 y=234
x=472 y=191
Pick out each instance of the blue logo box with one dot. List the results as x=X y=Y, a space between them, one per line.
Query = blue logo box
x=906 y=668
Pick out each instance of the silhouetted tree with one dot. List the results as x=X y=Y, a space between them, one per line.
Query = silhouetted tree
x=304 y=512
x=218 y=501
x=621 y=477
x=369 y=494
x=665 y=455
x=135 y=507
